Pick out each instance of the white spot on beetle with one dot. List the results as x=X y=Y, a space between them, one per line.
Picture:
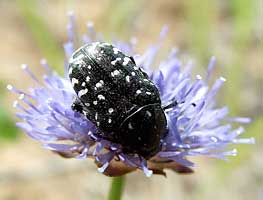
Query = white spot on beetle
x=99 y=84
x=70 y=70
x=87 y=104
x=126 y=61
x=130 y=126
x=82 y=92
x=127 y=79
x=138 y=92
x=89 y=67
x=148 y=113
x=133 y=74
x=109 y=120
x=114 y=61
x=83 y=84
x=115 y=50
x=95 y=102
x=96 y=116
x=98 y=123
x=146 y=80
x=115 y=73
x=135 y=68
x=101 y=97
x=87 y=78
x=111 y=110
x=74 y=81
x=149 y=93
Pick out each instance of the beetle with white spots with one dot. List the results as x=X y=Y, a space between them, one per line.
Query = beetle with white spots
x=118 y=97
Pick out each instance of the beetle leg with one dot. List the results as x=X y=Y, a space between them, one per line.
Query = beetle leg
x=77 y=105
x=170 y=105
x=132 y=59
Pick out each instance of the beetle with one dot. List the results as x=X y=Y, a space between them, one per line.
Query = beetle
x=118 y=97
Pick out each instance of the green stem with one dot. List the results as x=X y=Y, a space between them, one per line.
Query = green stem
x=116 y=189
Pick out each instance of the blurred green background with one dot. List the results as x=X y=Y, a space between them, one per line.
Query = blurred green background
x=232 y=30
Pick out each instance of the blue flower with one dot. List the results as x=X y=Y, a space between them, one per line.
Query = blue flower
x=196 y=125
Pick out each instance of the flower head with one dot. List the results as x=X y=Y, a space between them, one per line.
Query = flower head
x=196 y=126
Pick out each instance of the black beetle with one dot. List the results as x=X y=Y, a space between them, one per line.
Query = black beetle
x=118 y=97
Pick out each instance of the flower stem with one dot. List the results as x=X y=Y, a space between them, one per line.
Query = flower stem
x=116 y=189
